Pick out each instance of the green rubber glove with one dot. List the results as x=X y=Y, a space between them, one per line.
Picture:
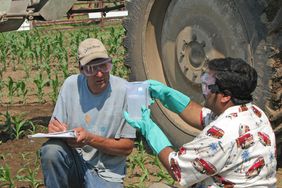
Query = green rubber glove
x=170 y=98
x=152 y=133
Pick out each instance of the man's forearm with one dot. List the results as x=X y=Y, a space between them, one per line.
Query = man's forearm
x=192 y=115
x=163 y=156
x=122 y=146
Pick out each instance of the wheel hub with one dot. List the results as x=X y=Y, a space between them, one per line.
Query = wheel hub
x=195 y=52
x=191 y=55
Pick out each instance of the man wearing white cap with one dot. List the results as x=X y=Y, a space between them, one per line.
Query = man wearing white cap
x=91 y=104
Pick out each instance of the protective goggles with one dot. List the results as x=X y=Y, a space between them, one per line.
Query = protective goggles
x=92 y=69
x=208 y=84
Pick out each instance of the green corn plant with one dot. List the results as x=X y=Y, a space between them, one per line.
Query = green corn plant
x=40 y=84
x=12 y=88
x=22 y=91
x=64 y=68
x=84 y=34
x=60 y=53
x=20 y=55
x=2 y=85
x=66 y=54
x=28 y=54
x=15 y=127
x=3 y=57
x=14 y=50
x=26 y=69
x=1 y=73
x=162 y=174
x=74 y=43
x=18 y=127
x=31 y=129
x=25 y=155
x=46 y=67
x=62 y=57
x=41 y=52
x=6 y=128
x=60 y=39
x=29 y=175
x=48 y=49
x=27 y=41
x=119 y=69
x=114 y=42
x=38 y=56
x=55 y=88
x=140 y=159
x=29 y=172
x=6 y=179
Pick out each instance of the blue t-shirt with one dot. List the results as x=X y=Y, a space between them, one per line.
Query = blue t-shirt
x=100 y=114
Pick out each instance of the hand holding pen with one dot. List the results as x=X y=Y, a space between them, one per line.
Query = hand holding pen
x=56 y=126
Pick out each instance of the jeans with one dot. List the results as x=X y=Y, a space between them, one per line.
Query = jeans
x=63 y=167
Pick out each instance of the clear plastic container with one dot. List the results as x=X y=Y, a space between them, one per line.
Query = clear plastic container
x=137 y=96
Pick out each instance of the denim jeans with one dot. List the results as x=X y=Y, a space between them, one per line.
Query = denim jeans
x=63 y=167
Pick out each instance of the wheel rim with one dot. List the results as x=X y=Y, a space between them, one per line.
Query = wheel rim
x=191 y=56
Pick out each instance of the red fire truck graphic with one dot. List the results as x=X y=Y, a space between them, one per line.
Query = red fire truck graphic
x=204 y=167
x=175 y=169
x=255 y=169
x=181 y=151
x=243 y=108
x=215 y=132
x=256 y=111
x=222 y=182
x=264 y=139
x=245 y=141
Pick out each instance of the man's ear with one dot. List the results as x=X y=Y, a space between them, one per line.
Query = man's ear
x=80 y=68
x=225 y=98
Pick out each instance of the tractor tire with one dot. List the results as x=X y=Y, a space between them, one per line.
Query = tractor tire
x=171 y=41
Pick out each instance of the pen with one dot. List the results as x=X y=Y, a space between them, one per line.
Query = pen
x=59 y=122
x=57 y=119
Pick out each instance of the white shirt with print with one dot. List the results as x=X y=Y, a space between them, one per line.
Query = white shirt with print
x=235 y=149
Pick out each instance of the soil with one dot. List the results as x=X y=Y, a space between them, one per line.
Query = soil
x=21 y=155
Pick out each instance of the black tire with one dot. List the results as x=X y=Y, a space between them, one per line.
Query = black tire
x=156 y=30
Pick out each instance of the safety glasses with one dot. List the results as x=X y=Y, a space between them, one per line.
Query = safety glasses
x=93 y=69
x=208 y=84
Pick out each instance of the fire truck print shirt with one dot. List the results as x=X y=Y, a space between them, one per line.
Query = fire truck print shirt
x=235 y=149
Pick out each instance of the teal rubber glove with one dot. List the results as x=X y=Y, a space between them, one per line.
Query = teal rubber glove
x=152 y=133
x=170 y=98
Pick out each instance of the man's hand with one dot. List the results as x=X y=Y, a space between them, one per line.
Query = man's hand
x=153 y=134
x=169 y=97
x=144 y=125
x=82 y=138
x=56 y=126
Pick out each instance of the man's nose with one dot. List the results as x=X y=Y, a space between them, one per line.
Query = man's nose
x=99 y=73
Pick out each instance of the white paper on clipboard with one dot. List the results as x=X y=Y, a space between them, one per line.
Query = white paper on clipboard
x=64 y=134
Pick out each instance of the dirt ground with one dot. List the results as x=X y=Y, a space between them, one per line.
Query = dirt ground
x=21 y=154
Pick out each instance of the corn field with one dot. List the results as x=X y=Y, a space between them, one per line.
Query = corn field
x=33 y=66
x=35 y=63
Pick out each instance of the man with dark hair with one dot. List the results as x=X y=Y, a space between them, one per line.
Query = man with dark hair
x=91 y=104
x=236 y=147
x=234 y=78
